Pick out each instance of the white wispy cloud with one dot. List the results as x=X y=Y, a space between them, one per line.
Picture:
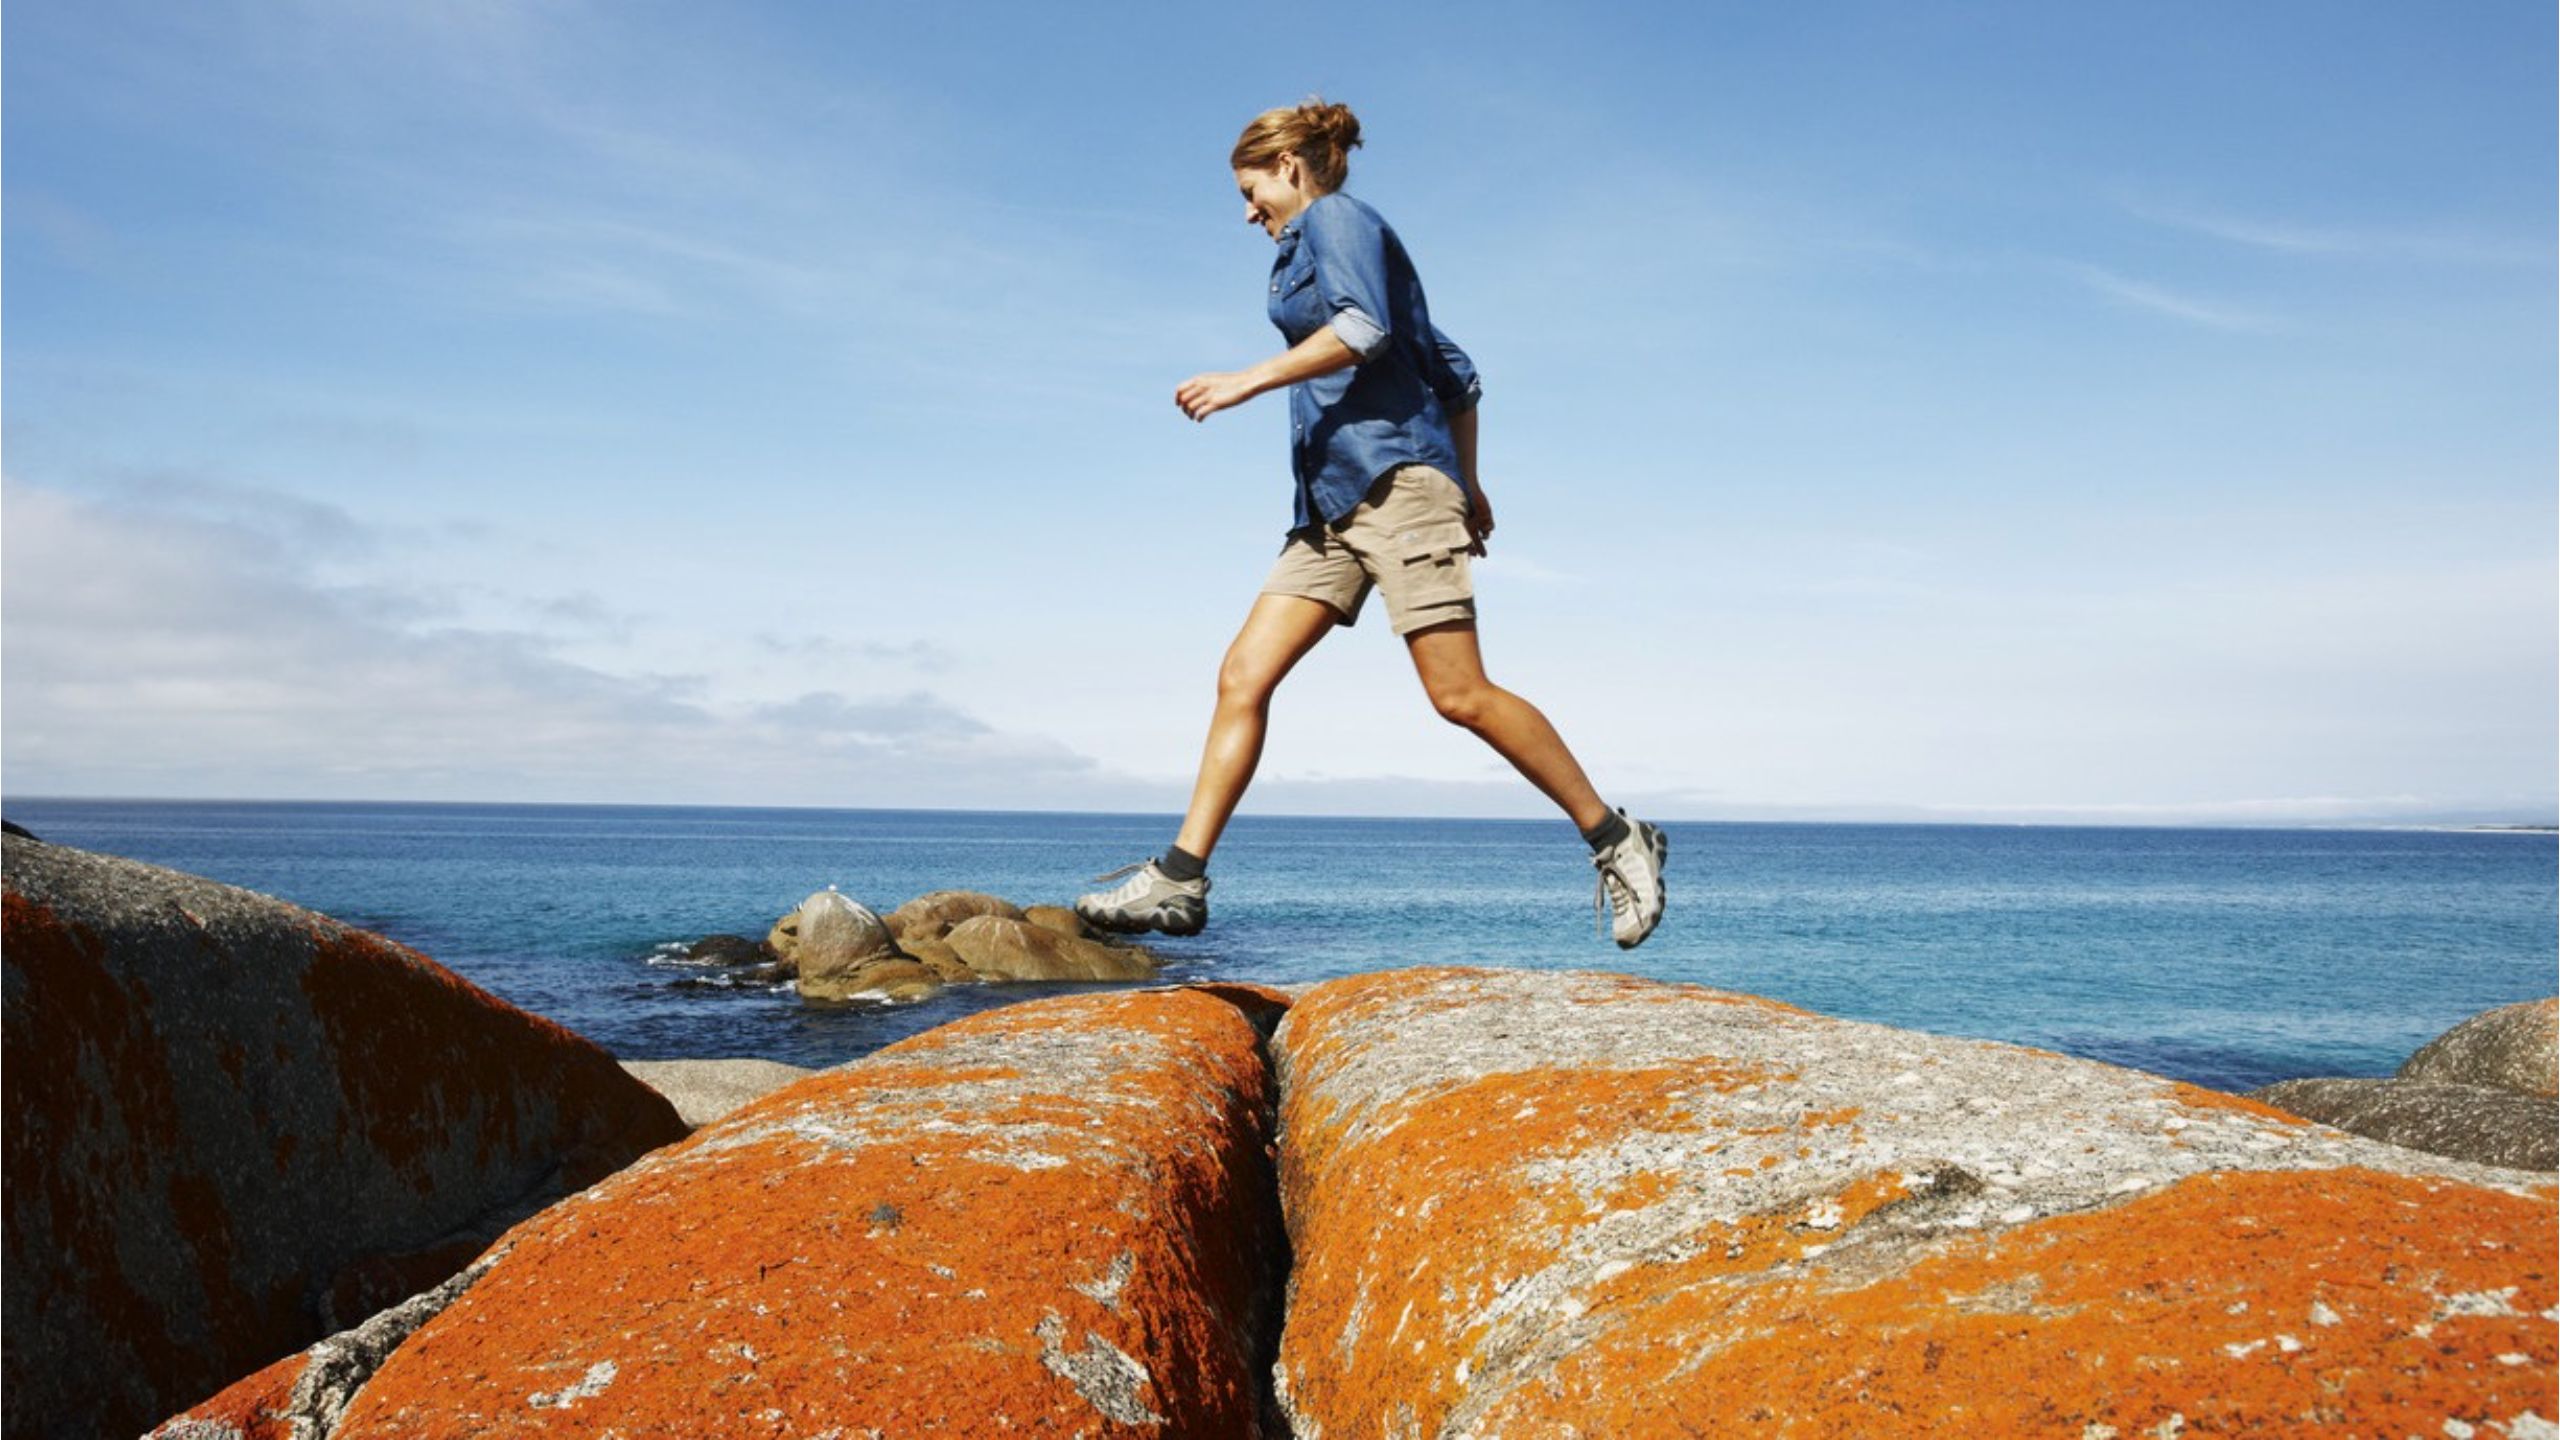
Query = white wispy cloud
x=2162 y=300
x=2442 y=244
x=187 y=643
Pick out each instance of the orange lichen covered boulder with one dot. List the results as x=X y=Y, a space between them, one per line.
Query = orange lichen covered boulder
x=236 y=1126
x=1541 y=1204
x=1056 y=1218
x=257 y=1407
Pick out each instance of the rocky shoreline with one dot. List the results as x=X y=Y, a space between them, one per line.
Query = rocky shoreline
x=271 y=1176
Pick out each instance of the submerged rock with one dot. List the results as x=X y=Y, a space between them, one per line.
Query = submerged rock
x=1550 y=1203
x=236 y=1126
x=730 y=950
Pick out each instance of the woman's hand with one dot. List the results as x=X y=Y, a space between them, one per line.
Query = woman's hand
x=1206 y=394
x=1479 y=520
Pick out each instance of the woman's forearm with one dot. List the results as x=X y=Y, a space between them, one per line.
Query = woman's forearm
x=1322 y=353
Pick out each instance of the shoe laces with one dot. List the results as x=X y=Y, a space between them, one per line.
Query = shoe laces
x=1128 y=889
x=1611 y=896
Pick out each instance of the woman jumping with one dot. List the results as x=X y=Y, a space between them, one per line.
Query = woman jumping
x=1382 y=414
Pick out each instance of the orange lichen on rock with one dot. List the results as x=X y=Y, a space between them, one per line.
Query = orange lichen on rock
x=1441 y=1208
x=2196 y=1097
x=252 y=1408
x=2229 y=1304
x=1554 y=1204
x=236 y=1126
x=907 y=1245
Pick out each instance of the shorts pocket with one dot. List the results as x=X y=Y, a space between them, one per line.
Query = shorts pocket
x=1431 y=560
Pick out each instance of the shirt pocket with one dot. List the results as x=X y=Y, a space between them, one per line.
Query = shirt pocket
x=1431 y=559
x=1295 y=306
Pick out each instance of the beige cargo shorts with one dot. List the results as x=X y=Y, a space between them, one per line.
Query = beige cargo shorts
x=1407 y=539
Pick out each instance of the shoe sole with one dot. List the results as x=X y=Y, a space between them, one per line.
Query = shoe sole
x=1173 y=919
x=1661 y=887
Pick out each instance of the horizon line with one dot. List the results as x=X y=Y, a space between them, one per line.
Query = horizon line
x=2517 y=826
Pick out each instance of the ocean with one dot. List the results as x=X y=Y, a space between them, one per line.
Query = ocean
x=2226 y=957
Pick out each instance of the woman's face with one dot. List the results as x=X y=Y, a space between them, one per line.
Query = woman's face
x=1274 y=194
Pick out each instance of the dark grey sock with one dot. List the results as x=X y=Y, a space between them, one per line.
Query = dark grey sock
x=1181 y=864
x=1607 y=833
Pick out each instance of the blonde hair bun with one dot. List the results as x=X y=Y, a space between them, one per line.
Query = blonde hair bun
x=1321 y=134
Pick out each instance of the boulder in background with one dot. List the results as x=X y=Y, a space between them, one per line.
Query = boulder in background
x=2514 y=1047
x=236 y=1126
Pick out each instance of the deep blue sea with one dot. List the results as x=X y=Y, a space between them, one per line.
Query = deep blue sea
x=2228 y=957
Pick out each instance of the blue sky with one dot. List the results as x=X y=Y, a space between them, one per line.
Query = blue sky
x=1965 y=412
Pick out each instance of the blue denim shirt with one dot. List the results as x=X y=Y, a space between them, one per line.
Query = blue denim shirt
x=1340 y=266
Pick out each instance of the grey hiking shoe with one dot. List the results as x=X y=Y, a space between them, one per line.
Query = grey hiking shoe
x=1631 y=894
x=1148 y=900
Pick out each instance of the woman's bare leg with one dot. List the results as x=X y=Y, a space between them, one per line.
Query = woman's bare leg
x=1278 y=631
x=1452 y=672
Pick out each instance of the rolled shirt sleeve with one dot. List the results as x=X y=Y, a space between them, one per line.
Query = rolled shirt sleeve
x=1452 y=375
x=1364 y=335
x=1350 y=252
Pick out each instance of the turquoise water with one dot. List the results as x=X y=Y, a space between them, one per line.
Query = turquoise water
x=2228 y=957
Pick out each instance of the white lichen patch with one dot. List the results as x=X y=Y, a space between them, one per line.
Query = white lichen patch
x=598 y=1377
x=1108 y=1379
x=1104 y=1290
x=2484 y=1304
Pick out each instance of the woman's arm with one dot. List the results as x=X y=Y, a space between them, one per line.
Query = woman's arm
x=1462 y=433
x=1322 y=353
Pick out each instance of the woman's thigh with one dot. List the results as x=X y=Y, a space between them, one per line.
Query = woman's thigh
x=1277 y=632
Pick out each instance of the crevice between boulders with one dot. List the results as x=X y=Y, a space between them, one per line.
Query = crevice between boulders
x=1268 y=1311
x=341 y=1364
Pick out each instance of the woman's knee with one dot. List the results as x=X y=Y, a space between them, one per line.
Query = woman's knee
x=1246 y=681
x=1464 y=705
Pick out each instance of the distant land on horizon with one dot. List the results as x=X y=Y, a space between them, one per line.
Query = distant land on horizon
x=2248 y=816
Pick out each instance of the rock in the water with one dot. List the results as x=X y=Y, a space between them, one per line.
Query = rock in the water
x=1060 y=919
x=784 y=940
x=730 y=950
x=1056 y=1218
x=931 y=916
x=236 y=1126
x=1544 y=1203
x=941 y=959
x=2468 y=1122
x=890 y=978
x=704 y=1090
x=837 y=936
x=2514 y=1047
x=1000 y=949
